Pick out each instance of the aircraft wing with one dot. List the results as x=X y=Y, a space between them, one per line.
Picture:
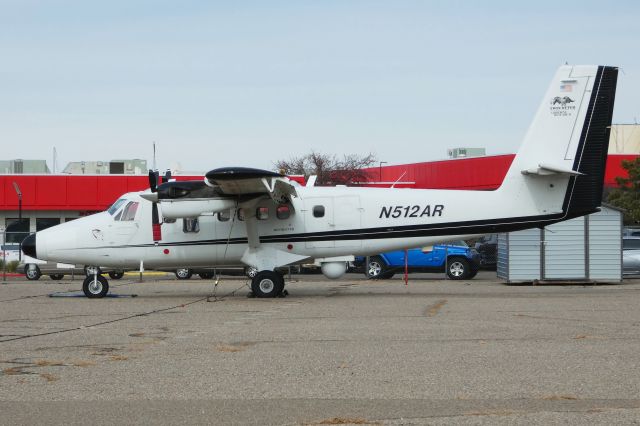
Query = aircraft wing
x=246 y=181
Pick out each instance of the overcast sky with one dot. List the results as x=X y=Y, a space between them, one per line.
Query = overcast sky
x=247 y=83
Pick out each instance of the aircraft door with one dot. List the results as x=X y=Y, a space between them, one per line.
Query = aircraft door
x=347 y=216
x=318 y=218
x=328 y=216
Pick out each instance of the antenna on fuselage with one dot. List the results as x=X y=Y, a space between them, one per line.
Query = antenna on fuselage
x=154 y=156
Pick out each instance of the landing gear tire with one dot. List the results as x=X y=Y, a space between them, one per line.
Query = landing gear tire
x=95 y=287
x=206 y=275
x=267 y=284
x=90 y=270
x=32 y=272
x=183 y=273
x=458 y=268
x=116 y=275
x=56 y=277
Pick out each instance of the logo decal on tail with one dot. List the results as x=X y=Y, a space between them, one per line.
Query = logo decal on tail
x=560 y=106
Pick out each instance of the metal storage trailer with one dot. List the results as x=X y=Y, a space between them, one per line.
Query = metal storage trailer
x=584 y=249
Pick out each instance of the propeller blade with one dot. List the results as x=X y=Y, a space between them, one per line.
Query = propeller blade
x=153 y=181
x=156 y=226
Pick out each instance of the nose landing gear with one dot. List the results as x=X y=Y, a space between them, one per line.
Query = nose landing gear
x=95 y=286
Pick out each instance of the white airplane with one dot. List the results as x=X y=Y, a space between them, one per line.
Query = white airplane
x=262 y=219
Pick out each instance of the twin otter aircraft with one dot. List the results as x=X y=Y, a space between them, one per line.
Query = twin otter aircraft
x=262 y=219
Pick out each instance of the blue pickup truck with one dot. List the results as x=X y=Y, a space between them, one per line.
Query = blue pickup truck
x=457 y=259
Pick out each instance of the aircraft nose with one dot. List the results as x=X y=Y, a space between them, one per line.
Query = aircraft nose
x=29 y=245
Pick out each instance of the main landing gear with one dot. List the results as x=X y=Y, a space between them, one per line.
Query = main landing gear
x=268 y=284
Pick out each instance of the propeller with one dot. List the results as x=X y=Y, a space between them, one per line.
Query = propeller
x=153 y=180
x=156 y=226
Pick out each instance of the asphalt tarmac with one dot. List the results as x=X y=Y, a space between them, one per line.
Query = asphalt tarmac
x=349 y=351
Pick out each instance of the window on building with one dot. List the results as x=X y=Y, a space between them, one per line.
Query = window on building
x=46 y=222
x=190 y=225
x=283 y=212
x=318 y=211
x=262 y=213
x=17 y=230
x=129 y=212
x=224 y=215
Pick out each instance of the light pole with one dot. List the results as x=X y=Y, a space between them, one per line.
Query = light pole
x=19 y=194
x=380 y=167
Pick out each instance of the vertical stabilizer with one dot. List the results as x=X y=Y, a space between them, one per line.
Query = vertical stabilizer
x=559 y=168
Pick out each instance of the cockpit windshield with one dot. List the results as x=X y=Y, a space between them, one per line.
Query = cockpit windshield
x=114 y=208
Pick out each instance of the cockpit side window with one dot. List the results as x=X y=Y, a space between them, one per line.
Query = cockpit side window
x=114 y=208
x=129 y=212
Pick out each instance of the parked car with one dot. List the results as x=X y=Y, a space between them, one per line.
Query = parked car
x=630 y=232
x=208 y=273
x=33 y=270
x=487 y=248
x=630 y=255
x=456 y=259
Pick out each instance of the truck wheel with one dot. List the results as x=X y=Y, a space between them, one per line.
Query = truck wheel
x=95 y=287
x=56 y=277
x=116 y=275
x=183 y=273
x=458 y=268
x=376 y=268
x=32 y=272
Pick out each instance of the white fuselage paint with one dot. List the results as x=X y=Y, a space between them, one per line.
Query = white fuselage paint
x=362 y=221
x=101 y=240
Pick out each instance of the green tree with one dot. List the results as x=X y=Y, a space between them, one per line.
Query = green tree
x=627 y=195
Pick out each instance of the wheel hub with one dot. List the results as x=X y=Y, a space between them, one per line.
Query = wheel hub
x=374 y=269
x=456 y=269
x=95 y=287
x=266 y=285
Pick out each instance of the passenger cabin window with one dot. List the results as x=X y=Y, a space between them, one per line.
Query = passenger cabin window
x=240 y=214
x=114 y=208
x=224 y=215
x=283 y=212
x=190 y=225
x=262 y=213
x=129 y=212
x=318 y=211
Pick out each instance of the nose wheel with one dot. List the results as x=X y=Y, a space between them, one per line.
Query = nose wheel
x=267 y=284
x=95 y=286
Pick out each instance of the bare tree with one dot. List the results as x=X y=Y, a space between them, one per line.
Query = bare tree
x=330 y=169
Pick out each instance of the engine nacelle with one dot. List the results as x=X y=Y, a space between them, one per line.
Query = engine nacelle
x=175 y=209
x=333 y=270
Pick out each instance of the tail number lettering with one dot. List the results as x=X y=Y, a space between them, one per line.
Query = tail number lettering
x=395 y=212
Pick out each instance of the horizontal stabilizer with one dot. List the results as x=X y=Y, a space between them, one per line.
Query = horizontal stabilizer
x=548 y=169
